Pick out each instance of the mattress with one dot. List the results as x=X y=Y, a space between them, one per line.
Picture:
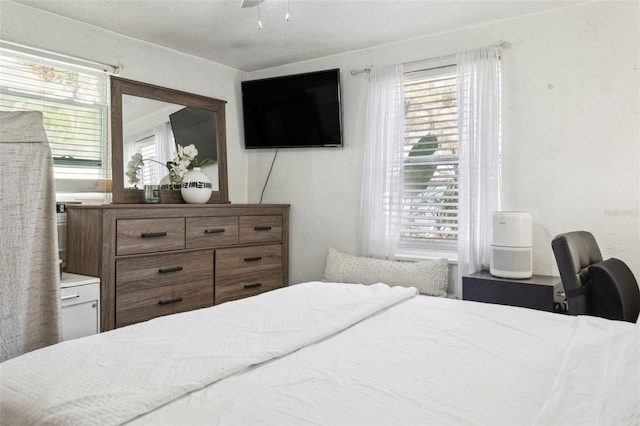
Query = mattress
x=395 y=358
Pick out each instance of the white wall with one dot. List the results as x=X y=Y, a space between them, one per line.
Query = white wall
x=139 y=61
x=571 y=139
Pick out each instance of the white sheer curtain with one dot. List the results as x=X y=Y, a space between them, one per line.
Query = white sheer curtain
x=128 y=148
x=479 y=99
x=380 y=208
x=165 y=147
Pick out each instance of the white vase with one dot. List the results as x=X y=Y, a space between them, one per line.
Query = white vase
x=196 y=187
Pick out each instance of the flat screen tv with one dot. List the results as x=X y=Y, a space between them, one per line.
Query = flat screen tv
x=293 y=111
x=196 y=126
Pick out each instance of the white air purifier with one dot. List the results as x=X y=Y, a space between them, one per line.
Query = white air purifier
x=511 y=245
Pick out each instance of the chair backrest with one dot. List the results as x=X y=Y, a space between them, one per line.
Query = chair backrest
x=614 y=292
x=603 y=288
x=575 y=252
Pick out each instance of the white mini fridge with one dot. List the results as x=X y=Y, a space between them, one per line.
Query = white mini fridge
x=80 y=296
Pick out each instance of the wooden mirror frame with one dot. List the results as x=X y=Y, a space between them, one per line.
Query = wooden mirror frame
x=119 y=87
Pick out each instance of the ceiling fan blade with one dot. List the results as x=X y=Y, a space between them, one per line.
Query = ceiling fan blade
x=250 y=3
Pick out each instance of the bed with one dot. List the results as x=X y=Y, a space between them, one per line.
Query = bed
x=336 y=354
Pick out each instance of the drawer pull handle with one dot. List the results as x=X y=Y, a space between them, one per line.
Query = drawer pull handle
x=70 y=296
x=172 y=269
x=154 y=234
x=169 y=301
x=262 y=228
x=252 y=259
x=254 y=285
x=214 y=231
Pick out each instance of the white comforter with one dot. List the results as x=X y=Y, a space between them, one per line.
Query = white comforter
x=113 y=377
x=337 y=354
x=433 y=361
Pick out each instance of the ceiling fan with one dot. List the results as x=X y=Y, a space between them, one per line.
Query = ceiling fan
x=250 y=3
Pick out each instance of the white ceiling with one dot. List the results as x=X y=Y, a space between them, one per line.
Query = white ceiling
x=223 y=32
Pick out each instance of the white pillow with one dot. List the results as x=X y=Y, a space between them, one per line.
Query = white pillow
x=428 y=276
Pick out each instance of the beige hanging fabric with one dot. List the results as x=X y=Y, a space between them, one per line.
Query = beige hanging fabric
x=29 y=273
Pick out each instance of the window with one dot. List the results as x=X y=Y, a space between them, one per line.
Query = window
x=73 y=101
x=145 y=145
x=430 y=171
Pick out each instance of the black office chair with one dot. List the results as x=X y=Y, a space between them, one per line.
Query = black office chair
x=602 y=288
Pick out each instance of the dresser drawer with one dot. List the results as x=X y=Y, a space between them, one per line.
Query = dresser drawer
x=134 y=236
x=151 y=286
x=246 y=260
x=239 y=286
x=260 y=229
x=205 y=232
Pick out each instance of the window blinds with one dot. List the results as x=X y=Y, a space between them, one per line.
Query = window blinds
x=74 y=104
x=430 y=192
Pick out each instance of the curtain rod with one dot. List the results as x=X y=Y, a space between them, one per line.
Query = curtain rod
x=86 y=63
x=500 y=45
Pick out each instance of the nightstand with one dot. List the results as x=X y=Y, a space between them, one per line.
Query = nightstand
x=80 y=295
x=542 y=292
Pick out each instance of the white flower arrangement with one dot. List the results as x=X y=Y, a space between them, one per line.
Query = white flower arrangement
x=181 y=163
x=183 y=160
x=134 y=166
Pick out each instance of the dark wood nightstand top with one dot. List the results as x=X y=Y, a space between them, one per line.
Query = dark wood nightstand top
x=535 y=279
x=541 y=292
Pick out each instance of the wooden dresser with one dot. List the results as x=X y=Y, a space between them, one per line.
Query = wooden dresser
x=161 y=259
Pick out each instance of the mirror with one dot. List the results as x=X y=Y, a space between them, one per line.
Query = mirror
x=155 y=119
